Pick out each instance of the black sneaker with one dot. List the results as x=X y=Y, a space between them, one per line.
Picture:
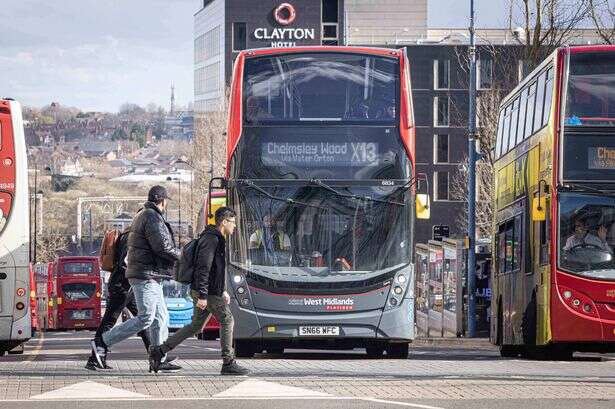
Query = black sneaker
x=155 y=359
x=92 y=364
x=170 y=358
x=99 y=353
x=169 y=367
x=233 y=368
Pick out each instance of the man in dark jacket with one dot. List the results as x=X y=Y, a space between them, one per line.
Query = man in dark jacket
x=151 y=256
x=209 y=294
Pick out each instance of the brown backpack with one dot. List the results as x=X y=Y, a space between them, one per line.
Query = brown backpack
x=107 y=249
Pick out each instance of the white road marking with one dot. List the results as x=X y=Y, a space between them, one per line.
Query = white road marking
x=86 y=391
x=393 y=402
x=254 y=388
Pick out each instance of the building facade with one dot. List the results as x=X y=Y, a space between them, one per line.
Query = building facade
x=438 y=63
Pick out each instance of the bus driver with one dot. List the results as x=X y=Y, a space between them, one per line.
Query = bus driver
x=582 y=236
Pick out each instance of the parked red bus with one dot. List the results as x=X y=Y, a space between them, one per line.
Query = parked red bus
x=554 y=266
x=15 y=320
x=74 y=293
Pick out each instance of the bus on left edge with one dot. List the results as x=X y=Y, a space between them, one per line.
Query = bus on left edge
x=15 y=314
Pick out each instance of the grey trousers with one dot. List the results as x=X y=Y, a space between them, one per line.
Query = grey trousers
x=219 y=309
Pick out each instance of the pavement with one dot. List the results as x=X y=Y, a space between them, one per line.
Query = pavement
x=51 y=374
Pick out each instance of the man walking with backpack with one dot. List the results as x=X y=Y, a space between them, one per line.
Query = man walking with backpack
x=209 y=294
x=151 y=255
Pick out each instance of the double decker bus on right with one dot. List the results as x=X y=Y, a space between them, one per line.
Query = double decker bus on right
x=554 y=230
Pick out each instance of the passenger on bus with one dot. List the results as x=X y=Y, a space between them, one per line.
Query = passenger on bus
x=388 y=111
x=581 y=236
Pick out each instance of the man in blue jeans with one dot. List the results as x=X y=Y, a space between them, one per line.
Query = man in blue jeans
x=151 y=256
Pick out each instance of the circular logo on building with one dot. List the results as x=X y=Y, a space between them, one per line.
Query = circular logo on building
x=285 y=14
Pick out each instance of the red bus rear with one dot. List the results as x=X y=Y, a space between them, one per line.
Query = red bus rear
x=74 y=293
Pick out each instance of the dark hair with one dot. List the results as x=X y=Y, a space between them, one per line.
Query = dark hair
x=224 y=213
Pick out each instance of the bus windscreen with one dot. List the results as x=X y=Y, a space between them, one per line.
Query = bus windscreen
x=590 y=96
x=321 y=87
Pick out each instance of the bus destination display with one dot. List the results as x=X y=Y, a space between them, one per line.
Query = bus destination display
x=320 y=153
x=601 y=158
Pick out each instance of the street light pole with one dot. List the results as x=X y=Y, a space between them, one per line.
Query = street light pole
x=472 y=182
x=179 y=234
x=35 y=210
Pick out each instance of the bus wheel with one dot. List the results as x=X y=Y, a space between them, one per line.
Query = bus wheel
x=244 y=349
x=509 y=351
x=374 y=351
x=398 y=350
x=2 y=352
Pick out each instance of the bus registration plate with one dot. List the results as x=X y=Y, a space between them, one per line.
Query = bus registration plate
x=318 y=331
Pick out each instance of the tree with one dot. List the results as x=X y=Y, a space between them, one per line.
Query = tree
x=546 y=25
x=602 y=15
x=49 y=245
x=209 y=142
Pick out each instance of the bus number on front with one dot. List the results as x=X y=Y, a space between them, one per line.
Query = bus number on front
x=363 y=152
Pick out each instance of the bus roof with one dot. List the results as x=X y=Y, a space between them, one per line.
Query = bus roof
x=390 y=52
x=560 y=51
x=76 y=258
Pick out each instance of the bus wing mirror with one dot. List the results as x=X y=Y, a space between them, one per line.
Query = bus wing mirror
x=539 y=209
x=423 y=208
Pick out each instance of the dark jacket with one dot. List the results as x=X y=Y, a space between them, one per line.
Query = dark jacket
x=210 y=264
x=117 y=281
x=151 y=246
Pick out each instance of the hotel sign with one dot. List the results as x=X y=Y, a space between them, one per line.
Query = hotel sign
x=285 y=14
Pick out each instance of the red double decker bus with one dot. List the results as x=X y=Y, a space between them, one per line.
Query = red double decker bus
x=74 y=293
x=320 y=169
x=554 y=265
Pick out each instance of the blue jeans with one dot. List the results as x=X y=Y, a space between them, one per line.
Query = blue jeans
x=153 y=315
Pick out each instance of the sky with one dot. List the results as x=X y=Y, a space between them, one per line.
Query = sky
x=99 y=54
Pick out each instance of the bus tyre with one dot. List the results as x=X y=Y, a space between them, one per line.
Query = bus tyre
x=398 y=350
x=2 y=352
x=374 y=351
x=509 y=351
x=244 y=349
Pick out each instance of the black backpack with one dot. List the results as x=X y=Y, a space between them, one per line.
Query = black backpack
x=183 y=271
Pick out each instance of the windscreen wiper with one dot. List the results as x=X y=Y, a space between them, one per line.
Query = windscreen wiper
x=254 y=186
x=320 y=183
x=575 y=187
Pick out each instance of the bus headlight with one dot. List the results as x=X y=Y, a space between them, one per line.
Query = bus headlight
x=237 y=279
x=241 y=290
x=401 y=279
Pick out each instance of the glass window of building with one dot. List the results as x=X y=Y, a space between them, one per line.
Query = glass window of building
x=441 y=114
x=442 y=74
x=207 y=45
x=329 y=11
x=239 y=36
x=441 y=150
x=441 y=185
x=485 y=73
